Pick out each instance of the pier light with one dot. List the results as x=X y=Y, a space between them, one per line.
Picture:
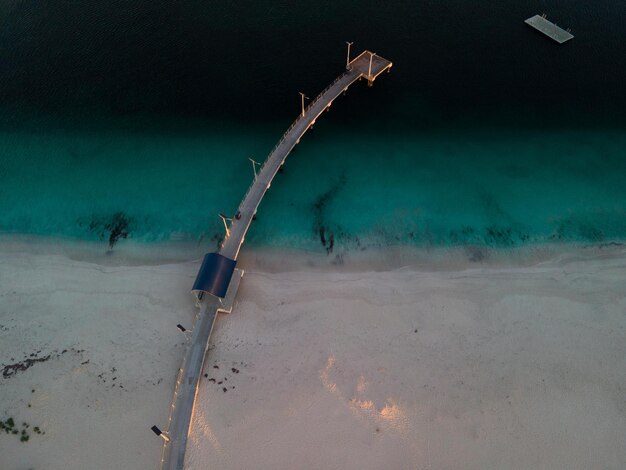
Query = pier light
x=369 y=71
x=303 y=98
x=254 y=165
x=159 y=433
x=224 y=219
x=348 y=57
x=184 y=330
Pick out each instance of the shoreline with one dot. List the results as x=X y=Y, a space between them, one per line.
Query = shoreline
x=273 y=259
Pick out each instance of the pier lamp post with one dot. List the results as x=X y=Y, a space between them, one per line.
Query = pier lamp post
x=254 y=164
x=160 y=433
x=369 y=71
x=224 y=219
x=303 y=98
x=184 y=331
x=348 y=57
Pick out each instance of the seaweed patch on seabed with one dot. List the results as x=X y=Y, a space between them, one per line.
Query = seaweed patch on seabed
x=466 y=234
x=569 y=229
x=116 y=226
x=504 y=236
x=320 y=226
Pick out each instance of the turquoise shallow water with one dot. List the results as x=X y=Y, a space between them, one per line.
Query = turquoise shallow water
x=486 y=132
x=368 y=186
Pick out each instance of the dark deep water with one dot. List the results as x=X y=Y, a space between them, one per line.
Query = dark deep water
x=485 y=132
x=247 y=60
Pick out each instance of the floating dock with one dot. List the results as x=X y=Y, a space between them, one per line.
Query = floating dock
x=540 y=23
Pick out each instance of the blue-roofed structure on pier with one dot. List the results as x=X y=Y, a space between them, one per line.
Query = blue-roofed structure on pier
x=214 y=275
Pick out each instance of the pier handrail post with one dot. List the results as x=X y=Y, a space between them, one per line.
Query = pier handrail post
x=369 y=70
x=348 y=57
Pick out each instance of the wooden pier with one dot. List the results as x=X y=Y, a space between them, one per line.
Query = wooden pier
x=367 y=66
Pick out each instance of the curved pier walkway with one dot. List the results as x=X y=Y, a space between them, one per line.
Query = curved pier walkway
x=358 y=68
x=367 y=65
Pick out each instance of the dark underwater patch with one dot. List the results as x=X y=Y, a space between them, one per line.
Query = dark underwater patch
x=321 y=227
x=113 y=227
x=571 y=229
x=591 y=233
x=462 y=236
x=499 y=236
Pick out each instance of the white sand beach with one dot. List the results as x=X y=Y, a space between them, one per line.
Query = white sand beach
x=114 y=350
x=429 y=361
